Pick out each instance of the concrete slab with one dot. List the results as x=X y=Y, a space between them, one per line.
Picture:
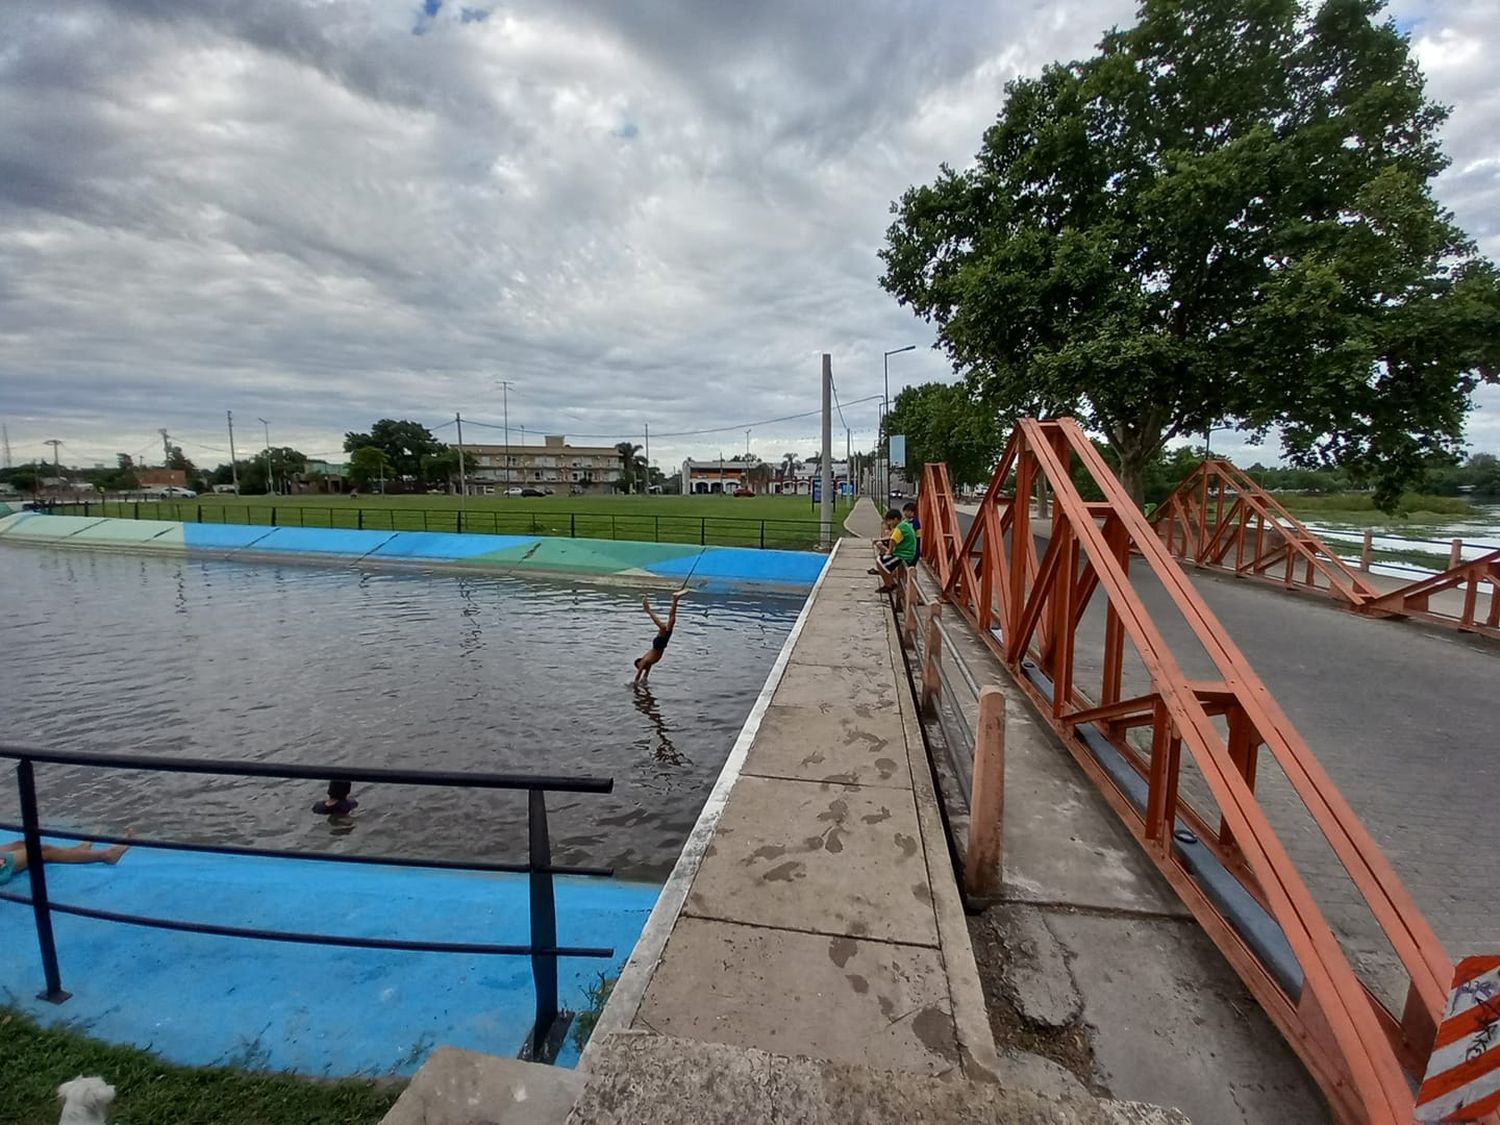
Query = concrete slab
x=1183 y=1031
x=852 y=744
x=645 y=1078
x=458 y=1087
x=832 y=645
x=827 y=688
x=869 y=1002
x=832 y=859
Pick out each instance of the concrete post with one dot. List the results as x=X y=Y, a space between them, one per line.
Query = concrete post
x=909 y=610
x=825 y=515
x=1456 y=554
x=932 y=658
x=987 y=812
x=1364 y=552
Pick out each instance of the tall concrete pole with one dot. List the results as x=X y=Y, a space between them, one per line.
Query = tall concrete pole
x=826 y=513
x=234 y=469
x=505 y=386
x=463 y=481
x=270 y=480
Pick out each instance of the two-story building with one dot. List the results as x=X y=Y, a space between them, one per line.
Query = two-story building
x=556 y=466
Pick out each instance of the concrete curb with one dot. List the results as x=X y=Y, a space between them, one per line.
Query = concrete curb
x=625 y=999
x=971 y=1021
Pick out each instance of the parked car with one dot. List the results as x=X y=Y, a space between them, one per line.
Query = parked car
x=515 y=492
x=532 y=492
x=172 y=492
x=744 y=492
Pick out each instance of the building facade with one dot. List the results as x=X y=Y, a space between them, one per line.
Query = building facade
x=704 y=478
x=556 y=466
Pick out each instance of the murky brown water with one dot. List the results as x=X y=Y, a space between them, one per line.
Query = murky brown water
x=333 y=665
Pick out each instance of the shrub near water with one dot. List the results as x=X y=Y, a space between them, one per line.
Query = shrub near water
x=34 y=1060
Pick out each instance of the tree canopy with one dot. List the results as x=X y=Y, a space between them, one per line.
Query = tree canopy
x=403 y=443
x=944 y=422
x=368 y=464
x=1223 y=216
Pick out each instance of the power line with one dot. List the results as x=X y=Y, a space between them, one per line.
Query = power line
x=696 y=433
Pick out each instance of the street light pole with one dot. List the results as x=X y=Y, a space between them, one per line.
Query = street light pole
x=505 y=386
x=270 y=481
x=885 y=410
x=234 y=469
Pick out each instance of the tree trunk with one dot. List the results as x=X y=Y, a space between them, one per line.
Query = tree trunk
x=1134 y=460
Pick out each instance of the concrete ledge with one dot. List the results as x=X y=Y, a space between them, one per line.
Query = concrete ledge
x=466 y=1088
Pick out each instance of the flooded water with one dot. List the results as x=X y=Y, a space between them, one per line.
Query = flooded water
x=1408 y=548
x=391 y=669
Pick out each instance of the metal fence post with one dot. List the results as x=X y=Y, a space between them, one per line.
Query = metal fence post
x=543 y=922
x=573 y=526
x=424 y=518
x=200 y=514
x=656 y=534
x=40 y=909
x=137 y=513
x=614 y=529
x=273 y=515
x=460 y=523
x=982 y=866
x=359 y=514
x=702 y=530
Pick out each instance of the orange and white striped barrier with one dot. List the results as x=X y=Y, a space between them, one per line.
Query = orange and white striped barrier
x=1463 y=1074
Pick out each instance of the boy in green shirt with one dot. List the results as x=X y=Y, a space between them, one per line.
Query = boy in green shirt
x=897 y=548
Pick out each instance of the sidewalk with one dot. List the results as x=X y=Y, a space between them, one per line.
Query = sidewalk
x=822 y=918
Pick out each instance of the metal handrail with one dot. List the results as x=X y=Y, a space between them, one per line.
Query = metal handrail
x=543 y=948
x=744 y=530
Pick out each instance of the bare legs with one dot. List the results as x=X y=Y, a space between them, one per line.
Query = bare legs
x=77 y=853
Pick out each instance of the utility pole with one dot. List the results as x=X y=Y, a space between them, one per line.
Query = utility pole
x=270 y=481
x=56 y=465
x=648 y=458
x=5 y=430
x=166 y=448
x=826 y=513
x=463 y=481
x=234 y=469
x=505 y=386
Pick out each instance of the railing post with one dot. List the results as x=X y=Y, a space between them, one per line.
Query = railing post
x=573 y=526
x=359 y=514
x=424 y=518
x=762 y=535
x=987 y=812
x=543 y=923
x=137 y=514
x=656 y=531
x=40 y=909
x=909 y=610
x=273 y=515
x=702 y=530
x=460 y=523
x=931 y=658
x=1364 y=552
x=1456 y=553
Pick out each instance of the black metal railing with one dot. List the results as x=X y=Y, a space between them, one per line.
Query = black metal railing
x=719 y=531
x=547 y=1031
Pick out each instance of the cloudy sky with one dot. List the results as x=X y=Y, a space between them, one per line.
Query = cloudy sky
x=321 y=212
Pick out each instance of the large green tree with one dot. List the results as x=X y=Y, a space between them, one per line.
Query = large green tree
x=403 y=443
x=1222 y=217
x=369 y=464
x=944 y=422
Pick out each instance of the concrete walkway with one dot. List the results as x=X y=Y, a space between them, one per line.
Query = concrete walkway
x=822 y=918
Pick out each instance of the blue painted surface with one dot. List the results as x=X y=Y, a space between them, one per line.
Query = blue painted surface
x=442 y=545
x=341 y=541
x=222 y=536
x=746 y=564
x=200 y=1000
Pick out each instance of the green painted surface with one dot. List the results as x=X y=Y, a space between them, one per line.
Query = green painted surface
x=45 y=527
x=591 y=556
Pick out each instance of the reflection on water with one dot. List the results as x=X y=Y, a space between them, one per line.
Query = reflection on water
x=205 y=658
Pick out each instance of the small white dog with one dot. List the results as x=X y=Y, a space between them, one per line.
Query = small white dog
x=85 y=1101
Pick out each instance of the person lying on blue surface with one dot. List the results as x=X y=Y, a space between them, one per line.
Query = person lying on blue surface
x=659 y=642
x=13 y=856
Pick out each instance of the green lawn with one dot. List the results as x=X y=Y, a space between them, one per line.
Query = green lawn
x=148 y=1091
x=760 y=521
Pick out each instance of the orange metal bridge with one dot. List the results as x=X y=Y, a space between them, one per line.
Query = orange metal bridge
x=1218 y=518
x=1147 y=734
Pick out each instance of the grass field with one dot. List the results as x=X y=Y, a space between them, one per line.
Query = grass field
x=34 y=1060
x=788 y=522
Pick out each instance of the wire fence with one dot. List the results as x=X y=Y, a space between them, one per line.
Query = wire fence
x=721 y=531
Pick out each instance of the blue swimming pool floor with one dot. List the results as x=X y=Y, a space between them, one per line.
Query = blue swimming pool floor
x=316 y=1010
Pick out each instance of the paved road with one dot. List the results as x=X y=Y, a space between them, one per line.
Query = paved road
x=1404 y=717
